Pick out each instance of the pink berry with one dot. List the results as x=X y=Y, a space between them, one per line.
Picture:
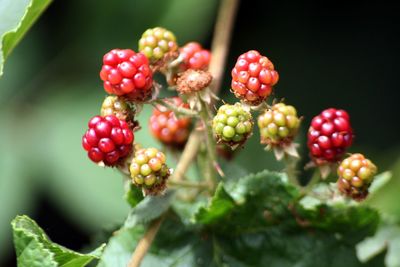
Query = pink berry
x=329 y=136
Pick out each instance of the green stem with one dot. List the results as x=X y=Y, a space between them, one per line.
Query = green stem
x=188 y=184
x=210 y=172
x=290 y=169
x=177 y=110
x=313 y=181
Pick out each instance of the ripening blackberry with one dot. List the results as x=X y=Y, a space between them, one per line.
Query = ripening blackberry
x=253 y=77
x=329 y=135
x=355 y=176
x=149 y=170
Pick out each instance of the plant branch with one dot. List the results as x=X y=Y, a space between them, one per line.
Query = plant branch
x=188 y=154
x=145 y=243
x=221 y=39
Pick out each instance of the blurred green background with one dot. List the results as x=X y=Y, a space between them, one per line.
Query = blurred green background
x=328 y=55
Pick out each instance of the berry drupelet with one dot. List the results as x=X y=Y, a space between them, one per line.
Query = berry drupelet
x=108 y=140
x=166 y=127
x=126 y=73
x=355 y=176
x=329 y=135
x=253 y=77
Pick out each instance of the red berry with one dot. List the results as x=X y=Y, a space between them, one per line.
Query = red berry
x=194 y=56
x=127 y=73
x=329 y=136
x=166 y=127
x=108 y=139
x=253 y=77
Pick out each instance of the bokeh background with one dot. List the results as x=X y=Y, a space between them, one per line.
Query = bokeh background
x=334 y=54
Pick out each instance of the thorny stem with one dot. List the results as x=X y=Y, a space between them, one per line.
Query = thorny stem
x=177 y=110
x=219 y=50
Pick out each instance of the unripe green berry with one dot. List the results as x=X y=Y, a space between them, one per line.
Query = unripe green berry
x=232 y=124
x=278 y=125
x=156 y=42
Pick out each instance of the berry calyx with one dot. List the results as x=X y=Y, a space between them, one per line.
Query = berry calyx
x=278 y=125
x=114 y=105
x=166 y=127
x=355 y=176
x=149 y=171
x=194 y=56
x=253 y=77
x=329 y=135
x=192 y=81
x=157 y=42
x=107 y=140
x=232 y=125
x=126 y=73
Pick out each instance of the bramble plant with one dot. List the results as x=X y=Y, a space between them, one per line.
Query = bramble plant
x=211 y=216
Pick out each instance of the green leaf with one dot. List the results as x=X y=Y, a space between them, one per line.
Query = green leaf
x=149 y=208
x=221 y=205
x=33 y=247
x=379 y=182
x=254 y=201
x=387 y=238
x=16 y=17
x=133 y=195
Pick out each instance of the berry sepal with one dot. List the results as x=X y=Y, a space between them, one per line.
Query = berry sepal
x=288 y=149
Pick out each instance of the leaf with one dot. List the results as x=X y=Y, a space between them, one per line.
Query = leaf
x=133 y=195
x=250 y=203
x=379 y=182
x=149 y=208
x=34 y=248
x=220 y=205
x=14 y=26
x=387 y=238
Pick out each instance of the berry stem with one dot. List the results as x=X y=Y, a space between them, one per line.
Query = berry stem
x=189 y=184
x=177 y=110
x=210 y=171
x=313 y=181
x=290 y=169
